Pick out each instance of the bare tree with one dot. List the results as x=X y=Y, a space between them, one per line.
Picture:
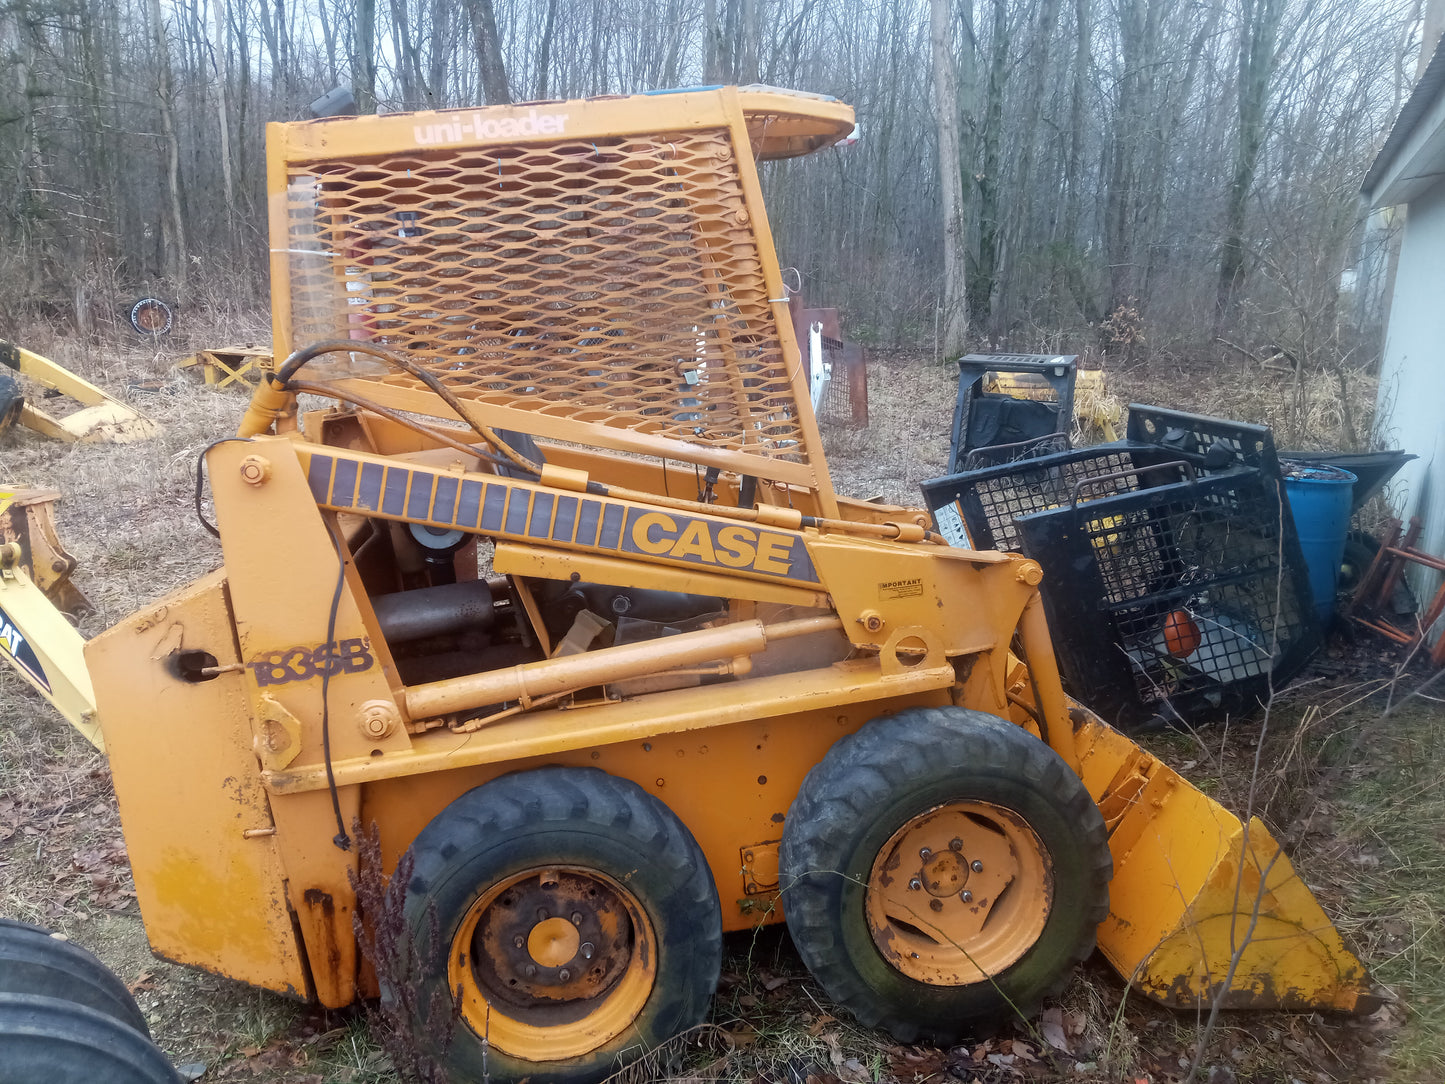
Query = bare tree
x=945 y=98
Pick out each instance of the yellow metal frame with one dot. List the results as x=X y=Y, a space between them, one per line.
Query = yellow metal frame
x=328 y=228
x=102 y=417
x=223 y=366
x=44 y=648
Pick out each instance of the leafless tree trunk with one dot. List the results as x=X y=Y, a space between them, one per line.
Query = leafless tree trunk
x=175 y=233
x=495 y=86
x=363 y=56
x=1257 y=39
x=945 y=102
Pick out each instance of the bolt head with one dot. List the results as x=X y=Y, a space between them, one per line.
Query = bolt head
x=587 y=950
x=576 y=918
x=915 y=884
x=255 y=470
x=966 y=896
x=924 y=853
x=955 y=844
x=531 y=970
x=518 y=941
x=976 y=866
x=543 y=914
x=937 y=905
x=564 y=974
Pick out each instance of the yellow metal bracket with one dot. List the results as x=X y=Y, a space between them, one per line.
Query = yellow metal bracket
x=46 y=650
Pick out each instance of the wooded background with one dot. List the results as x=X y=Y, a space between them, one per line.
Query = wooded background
x=1143 y=171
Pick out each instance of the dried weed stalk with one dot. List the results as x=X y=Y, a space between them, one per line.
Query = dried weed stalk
x=400 y=961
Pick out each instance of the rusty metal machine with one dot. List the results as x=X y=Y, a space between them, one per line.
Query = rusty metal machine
x=558 y=596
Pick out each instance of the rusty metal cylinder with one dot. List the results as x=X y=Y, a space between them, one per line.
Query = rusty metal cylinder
x=434 y=611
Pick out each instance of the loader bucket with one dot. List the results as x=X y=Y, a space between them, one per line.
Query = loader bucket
x=1202 y=907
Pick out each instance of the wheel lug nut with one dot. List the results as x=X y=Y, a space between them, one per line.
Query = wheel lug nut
x=576 y=918
x=976 y=866
x=518 y=941
x=937 y=905
x=531 y=970
x=587 y=950
x=955 y=844
x=564 y=974
x=924 y=853
x=966 y=896
x=543 y=914
x=915 y=884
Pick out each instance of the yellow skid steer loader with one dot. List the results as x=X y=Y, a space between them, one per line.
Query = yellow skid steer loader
x=558 y=598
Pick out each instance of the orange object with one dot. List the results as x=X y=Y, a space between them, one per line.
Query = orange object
x=1181 y=634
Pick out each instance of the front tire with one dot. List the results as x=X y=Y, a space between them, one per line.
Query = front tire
x=942 y=869
x=576 y=915
x=34 y=962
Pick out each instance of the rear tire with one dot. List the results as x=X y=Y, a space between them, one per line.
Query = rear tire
x=943 y=869
x=578 y=917
x=34 y=962
x=59 y=1042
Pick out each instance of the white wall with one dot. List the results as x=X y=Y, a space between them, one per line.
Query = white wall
x=1412 y=376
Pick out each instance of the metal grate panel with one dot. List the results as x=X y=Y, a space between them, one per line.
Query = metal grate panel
x=1179 y=600
x=991 y=499
x=613 y=281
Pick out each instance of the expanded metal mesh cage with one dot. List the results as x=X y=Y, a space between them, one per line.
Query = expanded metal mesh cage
x=1173 y=579
x=1178 y=600
x=603 y=266
x=845 y=401
x=995 y=455
x=992 y=499
x=1006 y=399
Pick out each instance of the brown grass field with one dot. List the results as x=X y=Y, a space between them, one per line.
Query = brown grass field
x=1355 y=795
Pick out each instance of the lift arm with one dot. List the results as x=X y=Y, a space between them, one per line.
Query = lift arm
x=35 y=636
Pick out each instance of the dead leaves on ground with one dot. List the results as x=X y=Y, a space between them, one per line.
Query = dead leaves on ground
x=67 y=856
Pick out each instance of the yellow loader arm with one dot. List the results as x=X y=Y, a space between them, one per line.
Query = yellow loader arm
x=35 y=637
x=102 y=417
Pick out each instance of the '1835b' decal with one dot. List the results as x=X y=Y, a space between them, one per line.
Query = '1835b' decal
x=303 y=663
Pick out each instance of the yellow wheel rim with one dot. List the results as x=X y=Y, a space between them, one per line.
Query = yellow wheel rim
x=959 y=893
x=553 y=963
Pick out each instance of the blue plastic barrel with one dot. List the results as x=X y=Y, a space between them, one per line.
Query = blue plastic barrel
x=1319 y=500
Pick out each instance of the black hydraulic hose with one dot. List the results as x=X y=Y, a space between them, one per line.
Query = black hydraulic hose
x=299 y=358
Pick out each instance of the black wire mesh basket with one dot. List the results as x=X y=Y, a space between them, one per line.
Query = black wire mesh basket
x=1173 y=580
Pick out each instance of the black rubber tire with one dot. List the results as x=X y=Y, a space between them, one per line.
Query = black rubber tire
x=32 y=961
x=59 y=1042
x=151 y=317
x=865 y=789
x=579 y=817
x=12 y=399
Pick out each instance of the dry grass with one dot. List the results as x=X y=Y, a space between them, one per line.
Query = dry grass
x=127 y=514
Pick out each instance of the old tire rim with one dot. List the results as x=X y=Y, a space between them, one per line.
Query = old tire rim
x=959 y=893
x=553 y=962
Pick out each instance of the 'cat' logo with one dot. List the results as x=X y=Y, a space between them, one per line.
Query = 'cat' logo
x=13 y=643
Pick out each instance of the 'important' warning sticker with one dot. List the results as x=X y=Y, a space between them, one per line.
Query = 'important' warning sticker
x=900 y=589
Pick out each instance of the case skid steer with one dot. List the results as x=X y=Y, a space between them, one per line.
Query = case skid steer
x=557 y=594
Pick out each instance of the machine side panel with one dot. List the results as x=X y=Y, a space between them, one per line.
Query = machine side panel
x=197 y=823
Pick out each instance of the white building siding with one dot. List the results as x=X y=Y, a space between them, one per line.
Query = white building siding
x=1412 y=373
